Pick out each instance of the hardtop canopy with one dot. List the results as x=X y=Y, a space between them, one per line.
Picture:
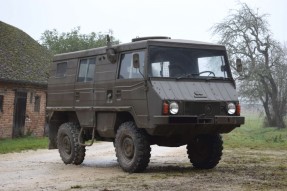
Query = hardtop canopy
x=139 y=45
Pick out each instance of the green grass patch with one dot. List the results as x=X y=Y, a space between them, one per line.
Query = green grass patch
x=20 y=144
x=253 y=135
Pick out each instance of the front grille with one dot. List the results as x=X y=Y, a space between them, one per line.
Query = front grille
x=203 y=108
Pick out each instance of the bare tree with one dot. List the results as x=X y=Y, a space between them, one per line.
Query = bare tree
x=246 y=35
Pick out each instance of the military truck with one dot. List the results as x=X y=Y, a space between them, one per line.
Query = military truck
x=153 y=90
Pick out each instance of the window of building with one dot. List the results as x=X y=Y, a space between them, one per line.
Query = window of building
x=127 y=70
x=61 y=69
x=86 y=70
x=31 y=97
x=1 y=103
x=37 y=103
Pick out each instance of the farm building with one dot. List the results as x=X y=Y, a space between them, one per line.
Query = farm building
x=23 y=82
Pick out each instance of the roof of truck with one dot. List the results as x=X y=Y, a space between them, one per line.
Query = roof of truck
x=140 y=44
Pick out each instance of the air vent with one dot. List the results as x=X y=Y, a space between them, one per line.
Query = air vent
x=149 y=37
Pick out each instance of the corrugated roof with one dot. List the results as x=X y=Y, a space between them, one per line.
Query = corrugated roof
x=22 y=59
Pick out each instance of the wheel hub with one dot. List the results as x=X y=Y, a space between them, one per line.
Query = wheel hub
x=67 y=145
x=128 y=147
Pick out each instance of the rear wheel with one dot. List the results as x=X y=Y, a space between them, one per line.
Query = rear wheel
x=205 y=151
x=132 y=147
x=70 y=150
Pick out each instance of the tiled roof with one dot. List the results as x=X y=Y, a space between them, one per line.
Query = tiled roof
x=22 y=59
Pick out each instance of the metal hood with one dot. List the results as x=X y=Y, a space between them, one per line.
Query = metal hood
x=195 y=90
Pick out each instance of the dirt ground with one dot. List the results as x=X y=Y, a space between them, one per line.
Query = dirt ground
x=169 y=169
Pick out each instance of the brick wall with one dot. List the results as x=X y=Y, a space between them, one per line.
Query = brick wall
x=34 y=122
x=6 y=117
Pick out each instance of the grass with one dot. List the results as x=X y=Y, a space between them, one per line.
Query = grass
x=21 y=144
x=252 y=135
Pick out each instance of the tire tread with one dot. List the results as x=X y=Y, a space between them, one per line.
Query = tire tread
x=142 y=157
x=78 y=153
x=216 y=145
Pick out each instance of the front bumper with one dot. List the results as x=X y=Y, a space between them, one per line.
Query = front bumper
x=170 y=125
x=196 y=120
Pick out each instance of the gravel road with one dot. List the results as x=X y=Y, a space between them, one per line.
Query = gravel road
x=169 y=169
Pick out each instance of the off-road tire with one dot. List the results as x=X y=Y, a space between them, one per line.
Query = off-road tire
x=67 y=139
x=132 y=148
x=205 y=151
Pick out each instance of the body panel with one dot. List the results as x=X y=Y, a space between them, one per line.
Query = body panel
x=193 y=90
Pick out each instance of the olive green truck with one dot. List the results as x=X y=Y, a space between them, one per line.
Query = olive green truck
x=153 y=90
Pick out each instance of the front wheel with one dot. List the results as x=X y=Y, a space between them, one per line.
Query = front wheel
x=205 y=151
x=70 y=150
x=132 y=148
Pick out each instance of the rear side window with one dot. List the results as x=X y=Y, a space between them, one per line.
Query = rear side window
x=37 y=103
x=86 y=70
x=61 y=69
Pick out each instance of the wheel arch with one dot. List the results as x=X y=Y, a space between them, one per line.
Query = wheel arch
x=130 y=115
x=121 y=118
x=56 y=119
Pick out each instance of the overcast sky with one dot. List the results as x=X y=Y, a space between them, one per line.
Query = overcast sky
x=179 y=19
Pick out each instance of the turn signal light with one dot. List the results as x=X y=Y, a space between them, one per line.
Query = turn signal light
x=238 y=109
x=165 y=108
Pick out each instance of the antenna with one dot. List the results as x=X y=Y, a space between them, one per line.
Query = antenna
x=108 y=41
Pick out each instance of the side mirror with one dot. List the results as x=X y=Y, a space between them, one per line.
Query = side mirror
x=238 y=65
x=111 y=54
x=136 y=60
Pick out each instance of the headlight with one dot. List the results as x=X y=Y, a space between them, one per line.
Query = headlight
x=173 y=108
x=231 y=108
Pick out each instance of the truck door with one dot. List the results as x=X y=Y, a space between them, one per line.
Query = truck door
x=84 y=91
x=130 y=85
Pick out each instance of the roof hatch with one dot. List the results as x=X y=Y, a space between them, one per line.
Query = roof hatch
x=149 y=37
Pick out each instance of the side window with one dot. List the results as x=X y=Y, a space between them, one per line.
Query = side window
x=1 y=103
x=127 y=70
x=61 y=69
x=86 y=70
x=37 y=104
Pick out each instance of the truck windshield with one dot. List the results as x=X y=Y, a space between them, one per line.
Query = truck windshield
x=179 y=63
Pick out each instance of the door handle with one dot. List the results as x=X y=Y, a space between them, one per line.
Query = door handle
x=109 y=96
x=77 y=96
x=118 y=95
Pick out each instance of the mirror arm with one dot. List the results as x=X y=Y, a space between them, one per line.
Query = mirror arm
x=111 y=53
x=238 y=65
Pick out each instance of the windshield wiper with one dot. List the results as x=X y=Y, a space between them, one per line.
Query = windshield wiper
x=187 y=75
x=196 y=75
x=216 y=78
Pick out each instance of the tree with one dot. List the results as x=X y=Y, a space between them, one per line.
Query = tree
x=246 y=35
x=74 y=40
